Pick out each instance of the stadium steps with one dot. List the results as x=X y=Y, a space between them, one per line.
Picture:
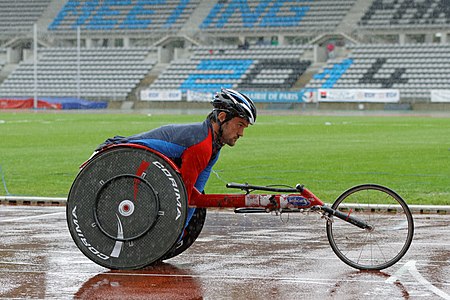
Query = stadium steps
x=355 y=13
x=146 y=82
x=197 y=17
x=50 y=14
x=6 y=70
x=307 y=76
x=155 y=71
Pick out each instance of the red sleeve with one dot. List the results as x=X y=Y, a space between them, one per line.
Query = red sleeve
x=194 y=161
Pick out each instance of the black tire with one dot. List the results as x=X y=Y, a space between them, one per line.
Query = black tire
x=377 y=248
x=190 y=234
x=126 y=208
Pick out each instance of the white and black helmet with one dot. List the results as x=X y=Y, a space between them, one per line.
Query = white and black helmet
x=235 y=104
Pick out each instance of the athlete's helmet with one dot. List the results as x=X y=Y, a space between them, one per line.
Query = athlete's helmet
x=235 y=104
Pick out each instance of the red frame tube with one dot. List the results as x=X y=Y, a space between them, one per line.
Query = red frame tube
x=305 y=199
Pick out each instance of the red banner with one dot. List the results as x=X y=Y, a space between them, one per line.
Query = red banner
x=27 y=103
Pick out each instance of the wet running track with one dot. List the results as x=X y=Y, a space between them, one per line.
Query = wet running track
x=236 y=257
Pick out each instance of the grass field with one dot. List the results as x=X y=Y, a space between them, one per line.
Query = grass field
x=40 y=152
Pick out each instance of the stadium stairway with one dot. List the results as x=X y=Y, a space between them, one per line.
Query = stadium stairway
x=197 y=17
x=355 y=13
x=145 y=82
x=50 y=13
x=6 y=70
x=307 y=75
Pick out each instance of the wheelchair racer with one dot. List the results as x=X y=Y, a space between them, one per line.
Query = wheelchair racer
x=195 y=148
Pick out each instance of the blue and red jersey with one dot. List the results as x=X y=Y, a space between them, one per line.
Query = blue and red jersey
x=190 y=146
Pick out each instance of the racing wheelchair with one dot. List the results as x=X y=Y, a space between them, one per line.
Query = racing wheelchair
x=127 y=209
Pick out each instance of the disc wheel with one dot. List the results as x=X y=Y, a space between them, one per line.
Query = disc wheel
x=389 y=236
x=126 y=208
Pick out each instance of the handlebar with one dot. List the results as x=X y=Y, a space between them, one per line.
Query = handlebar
x=248 y=187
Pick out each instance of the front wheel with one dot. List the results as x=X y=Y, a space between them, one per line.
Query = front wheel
x=387 y=239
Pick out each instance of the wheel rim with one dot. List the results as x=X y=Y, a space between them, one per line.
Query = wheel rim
x=386 y=242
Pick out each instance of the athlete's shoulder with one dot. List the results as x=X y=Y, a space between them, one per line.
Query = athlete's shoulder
x=184 y=135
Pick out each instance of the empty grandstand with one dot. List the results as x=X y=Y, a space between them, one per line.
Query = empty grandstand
x=411 y=68
x=115 y=49
x=92 y=73
x=256 y=67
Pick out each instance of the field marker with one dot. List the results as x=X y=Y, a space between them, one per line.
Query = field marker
x=410 y=267
x=3 y=180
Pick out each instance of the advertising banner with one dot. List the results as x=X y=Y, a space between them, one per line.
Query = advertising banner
x=440 y=95
x=281 y=97
x=358 y=95
x=198 y=96
x=161 y=95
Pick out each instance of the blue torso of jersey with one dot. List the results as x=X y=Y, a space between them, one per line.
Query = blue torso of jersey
x=173 y=140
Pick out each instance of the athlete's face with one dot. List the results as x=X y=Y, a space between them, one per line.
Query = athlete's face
x=233 y=130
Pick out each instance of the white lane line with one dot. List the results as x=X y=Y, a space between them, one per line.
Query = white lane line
x=410 y=267
x=18 y=263
x=32 y=217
